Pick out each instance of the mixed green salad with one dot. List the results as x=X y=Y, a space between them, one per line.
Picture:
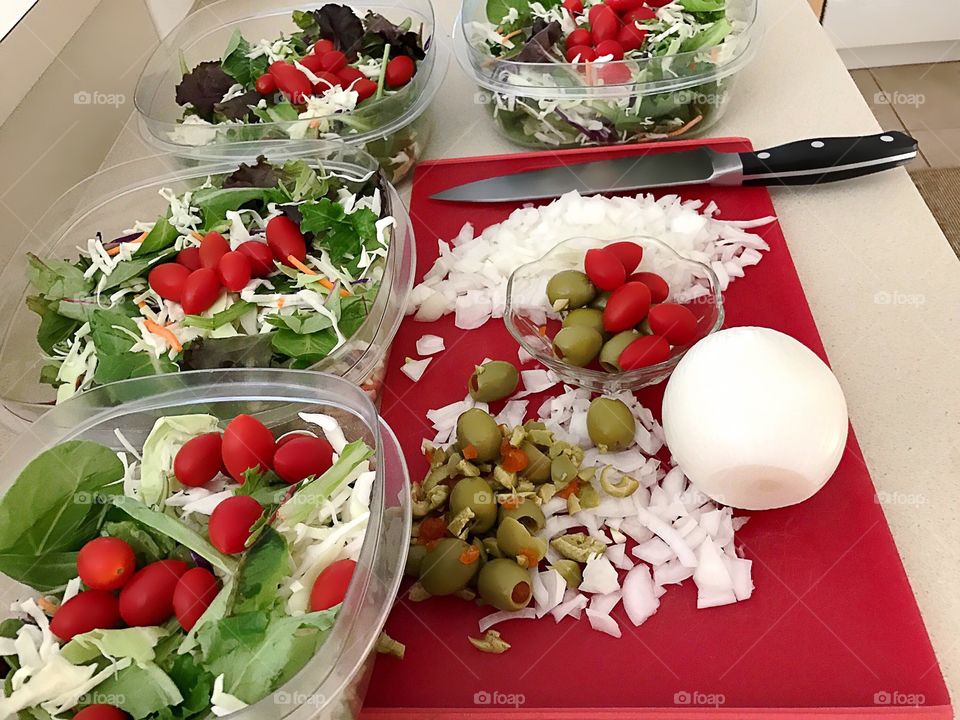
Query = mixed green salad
x=337 y=74
x=191 y=576
x=272 y=265
x=572 y=72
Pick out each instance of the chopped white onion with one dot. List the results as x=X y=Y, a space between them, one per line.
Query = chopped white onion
x=429 y=345
x=414 y=369
x=639 y=596
x=488 y=621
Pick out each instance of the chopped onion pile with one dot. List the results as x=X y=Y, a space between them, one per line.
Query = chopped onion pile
x=470 y=276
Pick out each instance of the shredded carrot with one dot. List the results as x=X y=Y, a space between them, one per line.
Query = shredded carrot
x=281 y=302
x=470 y=555
x=470 y=452
x=197 y=236
x=48 y=605
x=163 y=332
x=685 y=128
x=542 y=330
x=569 y=489
x=116 y=248
x=307 y=270
x=510 y=35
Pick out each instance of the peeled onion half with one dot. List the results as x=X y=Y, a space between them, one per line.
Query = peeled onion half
x=755 y=419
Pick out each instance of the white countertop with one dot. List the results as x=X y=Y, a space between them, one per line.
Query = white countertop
x=880 y=278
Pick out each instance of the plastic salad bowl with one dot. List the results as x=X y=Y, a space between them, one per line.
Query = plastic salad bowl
x=663 y=90
x=395 y=129
x=533 y=323
x=333 y=682
x=107 y=205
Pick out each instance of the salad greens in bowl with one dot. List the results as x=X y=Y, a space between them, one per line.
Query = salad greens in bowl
x=217 y=542
x=573 y=73
x=298 y=261
x=244 y=71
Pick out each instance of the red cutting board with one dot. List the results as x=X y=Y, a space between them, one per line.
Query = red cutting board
x=832 y=629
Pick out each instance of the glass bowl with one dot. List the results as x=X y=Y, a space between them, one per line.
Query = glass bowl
x=395 y=129
x=559 y=104
x=333 y=682
x=533 y=323
x=110 y=201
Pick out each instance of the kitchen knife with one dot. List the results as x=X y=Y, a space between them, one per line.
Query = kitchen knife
x=805 y=162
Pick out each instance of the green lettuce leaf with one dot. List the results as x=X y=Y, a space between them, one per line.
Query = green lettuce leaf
x=56 y=279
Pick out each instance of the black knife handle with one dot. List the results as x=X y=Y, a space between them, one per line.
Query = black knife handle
x=823 y=160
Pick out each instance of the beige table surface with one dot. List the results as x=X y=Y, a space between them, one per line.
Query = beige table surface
x=881 y=279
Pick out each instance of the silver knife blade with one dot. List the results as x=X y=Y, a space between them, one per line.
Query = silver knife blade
x=690 y=167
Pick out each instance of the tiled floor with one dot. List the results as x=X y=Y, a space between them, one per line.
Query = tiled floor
x=924 y=100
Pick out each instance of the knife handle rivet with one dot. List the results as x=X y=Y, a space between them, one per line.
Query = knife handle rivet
x=817 y=144
x=763 y=155
x=886 y=138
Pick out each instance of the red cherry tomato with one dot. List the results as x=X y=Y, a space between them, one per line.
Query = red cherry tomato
x=615 y=74
x=194 y=592
x=235 y=271
x=189 y=257
x=334 y=61
x=247 y=443
x=657 y=3
x=659 y=290
x=574 y=7
x=644 y=351
x=604 y=269
x=639 y=15
x=230 y=523
x=86 y=611
x=399 y=71
x=350 y=74
x=301 y=457
x=580 y=36
x=584 y=53
x=327 y=81
x=291 y=81
x=101 y=711
x=323 y=46
x=626 y=307
x=313 y=63
x=631 y=37
x=198 y=461
x=289 y=437
x=675 y=322
x=285 y=239
x=622 y=6
x=106 y=563
x=629 y=253
x=167 y=280
x=610 y=47
x=213 y=247
x=604 y=23
x=200 y=291
x=365 y=89
x=266 y=84
x=330 y=587
x=260 y=256
x=148 y=598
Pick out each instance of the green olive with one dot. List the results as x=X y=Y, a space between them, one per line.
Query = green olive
x=588 y=317
x=414 y=558
x=514 y=539
x=563 y=470
x=538 y=464
x=441 y=570
x=493 y=381
x=600 y=301
x=570 y=289
x=505 y=585
x=478 y=428
x=577 y=345
x=491 y=547
x=610 y=424
x=570 y=571
x=527 y=513
x=612 y=349
x=474 y=493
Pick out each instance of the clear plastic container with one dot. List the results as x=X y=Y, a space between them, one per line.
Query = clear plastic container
x=110 y=201
x=395 y=129
x=531 y=321
x=559 y=104
x=333 y=683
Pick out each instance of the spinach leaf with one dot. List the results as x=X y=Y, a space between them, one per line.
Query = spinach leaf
x=304 y=350
x=698 y=6
x=264 y=567
x=230 y=352
x=134 y=268
x=54 y=328
x=111 y=333
x=162 y=236
x=52 y=509
x=301 y=322
x=343 y=236
x=234 y=312
x=215 y=202
x=195 y=683
x=237 y=65
x=497 y=10
x=56 y=279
